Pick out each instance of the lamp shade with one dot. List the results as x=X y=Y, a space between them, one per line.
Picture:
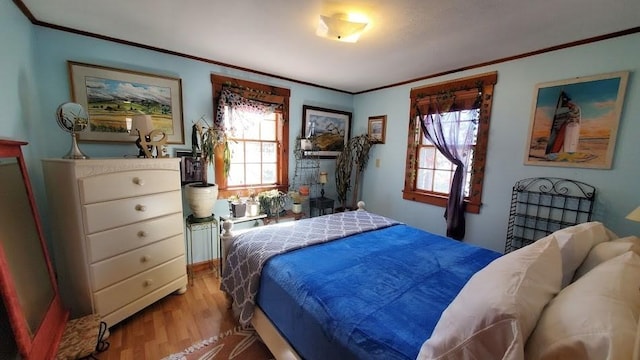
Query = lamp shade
x=323 y=177
x=338 y=28
x=141 y=123
x=634 y=215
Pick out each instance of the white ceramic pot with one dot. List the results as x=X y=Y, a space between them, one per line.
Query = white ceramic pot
x=201 y=198
x=253 y=208
x=296 y=208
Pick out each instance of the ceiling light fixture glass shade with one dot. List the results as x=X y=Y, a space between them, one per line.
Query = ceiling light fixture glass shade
x=338 y=27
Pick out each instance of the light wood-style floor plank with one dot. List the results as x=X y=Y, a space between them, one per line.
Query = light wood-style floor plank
x=173 y=323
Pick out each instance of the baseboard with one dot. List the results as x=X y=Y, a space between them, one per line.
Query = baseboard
x=203 y=266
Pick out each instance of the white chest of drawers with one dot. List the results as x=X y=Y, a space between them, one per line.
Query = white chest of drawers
x=118 y=233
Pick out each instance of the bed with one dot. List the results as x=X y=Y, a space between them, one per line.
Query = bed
x=357 y=285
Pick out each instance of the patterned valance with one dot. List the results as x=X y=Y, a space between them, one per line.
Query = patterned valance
x=245 y=101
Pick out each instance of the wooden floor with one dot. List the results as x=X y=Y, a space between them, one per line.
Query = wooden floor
x=173 y=323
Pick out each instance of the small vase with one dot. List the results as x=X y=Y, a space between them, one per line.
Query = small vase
x=253 y=208
x=296 y=208
x=238 y=209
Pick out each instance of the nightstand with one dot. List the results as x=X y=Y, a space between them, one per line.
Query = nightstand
x=321 y=204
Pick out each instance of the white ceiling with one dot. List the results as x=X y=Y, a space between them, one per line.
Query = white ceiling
x=405 y=40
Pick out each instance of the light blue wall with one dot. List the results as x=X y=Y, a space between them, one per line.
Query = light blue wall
x=18 y=96
x=617 y=189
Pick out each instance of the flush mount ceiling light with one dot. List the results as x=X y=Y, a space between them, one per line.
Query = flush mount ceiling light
x=341 y=27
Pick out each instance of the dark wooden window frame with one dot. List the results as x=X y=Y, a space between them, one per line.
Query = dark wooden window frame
x=483 y=83
x=260 y=92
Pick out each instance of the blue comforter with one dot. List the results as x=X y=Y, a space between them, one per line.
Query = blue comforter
x=250 y=251
x=375 y=295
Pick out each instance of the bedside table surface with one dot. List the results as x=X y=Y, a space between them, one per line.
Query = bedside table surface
x=321 y=203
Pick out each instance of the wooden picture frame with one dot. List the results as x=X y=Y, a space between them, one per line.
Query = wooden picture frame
x=113 y=96
x=377 y=129
x=327 y=129
x=191 y=169
x=574 y=122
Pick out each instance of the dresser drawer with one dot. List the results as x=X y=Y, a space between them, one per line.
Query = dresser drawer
x=126 y=184
x=111 y=214
x=112 y=270
x=122 y=293
x=112 y=242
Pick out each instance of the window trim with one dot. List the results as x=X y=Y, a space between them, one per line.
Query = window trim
x=261 y=92
x=483 y=82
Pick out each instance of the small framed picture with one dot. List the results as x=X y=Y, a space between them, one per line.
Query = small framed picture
x=191 y=168
x=377 y=128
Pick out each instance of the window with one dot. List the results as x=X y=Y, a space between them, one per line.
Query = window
x=428 y=173
x=434 y=170
x=253 y=146
x=258 y=139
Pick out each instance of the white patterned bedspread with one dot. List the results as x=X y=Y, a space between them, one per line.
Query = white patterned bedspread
x=250 y=250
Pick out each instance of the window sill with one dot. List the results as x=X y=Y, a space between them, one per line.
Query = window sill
x=438 y=200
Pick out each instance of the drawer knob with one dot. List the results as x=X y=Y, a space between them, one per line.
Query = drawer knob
x=138 y=181
x=145 y=258
x=140 y=207
x=142 y=233
x=148 y=283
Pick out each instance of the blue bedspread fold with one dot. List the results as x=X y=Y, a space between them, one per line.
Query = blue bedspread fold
x=250 y=250
x=375 y=295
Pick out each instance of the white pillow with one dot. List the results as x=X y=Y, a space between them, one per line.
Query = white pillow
x=594 y=318
x=575 y=243
x=495 y=312
x=607 y=250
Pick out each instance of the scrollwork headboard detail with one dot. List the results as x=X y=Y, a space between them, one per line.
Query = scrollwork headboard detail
x=542 y=205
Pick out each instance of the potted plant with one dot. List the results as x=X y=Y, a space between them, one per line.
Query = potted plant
x=296 y=199
x=202 y=196
x=253 y=206
x=272 y=202
x=237 y=207
x=355 y=154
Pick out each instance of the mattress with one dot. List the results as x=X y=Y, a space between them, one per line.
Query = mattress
x=374 y=295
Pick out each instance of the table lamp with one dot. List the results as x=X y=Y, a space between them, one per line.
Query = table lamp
x=141 y=125
x=323 y=180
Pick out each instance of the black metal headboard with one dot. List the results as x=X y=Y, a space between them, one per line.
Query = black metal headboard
x=540 y=206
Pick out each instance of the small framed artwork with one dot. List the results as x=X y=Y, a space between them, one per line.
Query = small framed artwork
x=327 y=129
x=574 y=122
x=377 y=128
x=113 y=96
x=191 y=169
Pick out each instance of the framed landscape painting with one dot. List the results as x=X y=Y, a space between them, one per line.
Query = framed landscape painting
x=574 y=122
x=112 y=97
x=327 y=129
